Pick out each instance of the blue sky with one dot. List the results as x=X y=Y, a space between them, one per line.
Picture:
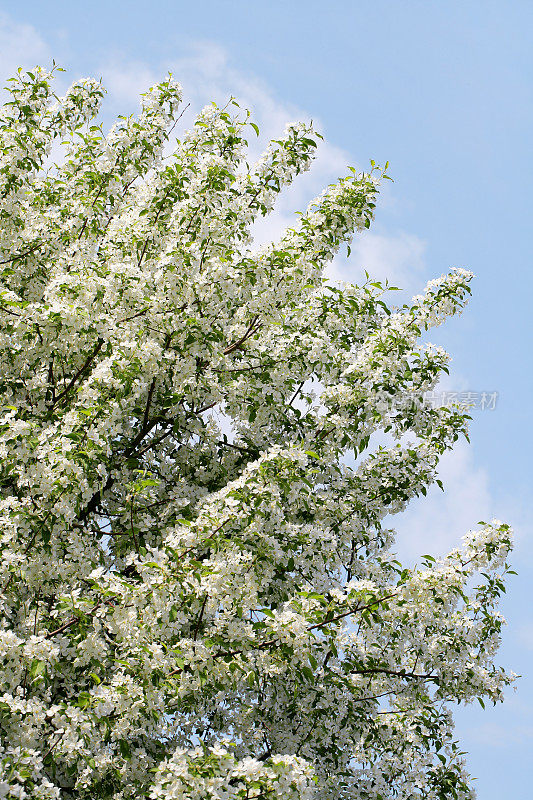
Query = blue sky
x=443 y=90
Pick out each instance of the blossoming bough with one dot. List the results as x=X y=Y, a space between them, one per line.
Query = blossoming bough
x=188 y=613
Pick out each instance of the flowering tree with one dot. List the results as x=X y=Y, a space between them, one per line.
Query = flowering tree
x=198 y=594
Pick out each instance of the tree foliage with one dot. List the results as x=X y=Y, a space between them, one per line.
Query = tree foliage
x=199 y=596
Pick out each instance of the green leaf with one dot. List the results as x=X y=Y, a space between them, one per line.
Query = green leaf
x=38 y=668
x=125 y=748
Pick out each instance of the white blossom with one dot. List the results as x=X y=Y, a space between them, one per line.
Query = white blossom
x=199 y=598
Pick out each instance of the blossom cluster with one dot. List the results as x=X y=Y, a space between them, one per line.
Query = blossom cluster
x=199 y=596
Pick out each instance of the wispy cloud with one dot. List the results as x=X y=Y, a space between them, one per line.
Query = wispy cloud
x=398 y=257
x=524 y=634
x=20 y=45
x=497 y=737
x=435 y=524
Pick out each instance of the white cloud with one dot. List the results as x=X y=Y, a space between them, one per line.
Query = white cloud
x=524 y=634
x=20 y=46
x=397 y=257
x=435 y=524
x=495 y=736
x=124 y=82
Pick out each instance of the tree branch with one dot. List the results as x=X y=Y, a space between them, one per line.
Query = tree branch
x=88 y=361
x=351 y=611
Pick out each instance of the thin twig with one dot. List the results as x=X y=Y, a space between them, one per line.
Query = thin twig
x=21 y=255
x=200 y=544
x=351 y=611
x=72 y=621
x=90 y=358
x=199 y=621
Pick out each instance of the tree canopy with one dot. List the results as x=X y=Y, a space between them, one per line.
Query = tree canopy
x=199 y=592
